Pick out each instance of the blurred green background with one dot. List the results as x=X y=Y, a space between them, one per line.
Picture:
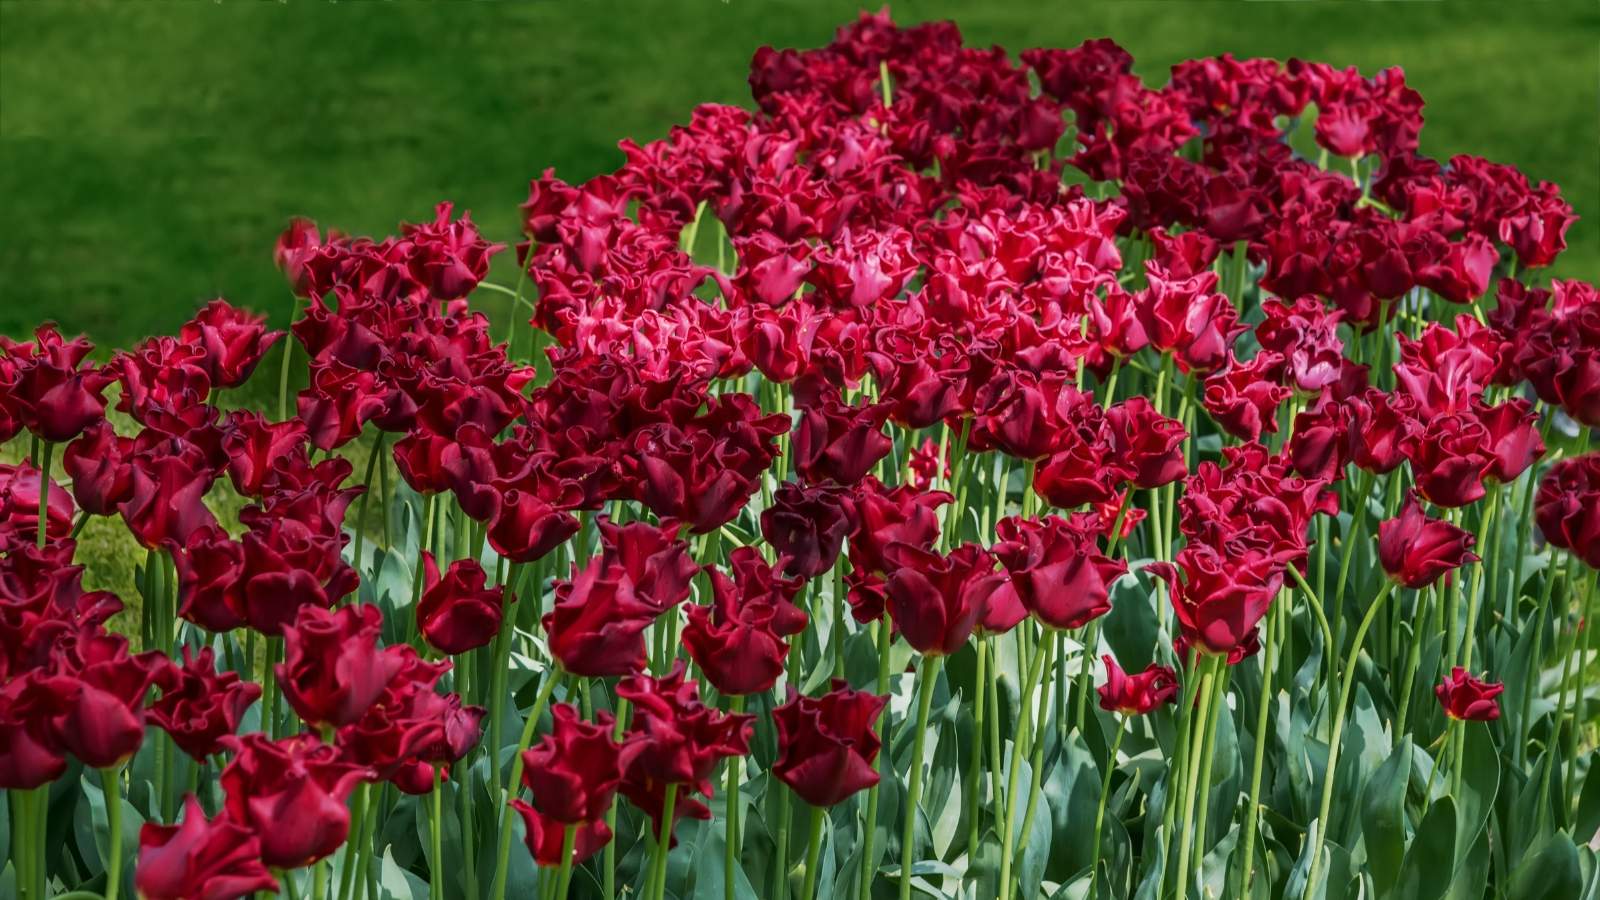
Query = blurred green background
x=150 y=153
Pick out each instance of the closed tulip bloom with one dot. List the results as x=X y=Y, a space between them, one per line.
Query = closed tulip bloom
x=456 y=612
x=757 y=582
x=52 y=393
x=1567 y=507
x=655 y=559
x=938 y=600
x=1147 y=443
x=839 y=443
x=421 y=458
x=735 y=640
x=826 y=745
x=203 y=705
x=1058 y=571
x=887 y=516
x=333 y=668
x=809 y=525
x=1451 y=458
x=292 y=794
x=1136 y=695
x=165 y=503
x=1381 y=424
x=199 y=859
x=30 y=756
x=679 y=739
x=460 y=730
x=1514 y=442
x=232 y=340
x=527 y=527
x=1219 y=601
x=19 y=504
x=253 y=444
x=574 y=771
x=1466 y=699
x=597 y=627
x=96 y=463
x=104 y=726
x=1415 y=549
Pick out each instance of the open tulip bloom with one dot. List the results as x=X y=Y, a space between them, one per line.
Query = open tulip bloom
x=865 y=486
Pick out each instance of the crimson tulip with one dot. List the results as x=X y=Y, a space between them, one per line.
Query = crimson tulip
x=1140 y=694
x=291 y=794
x=938 y=600
x=597 y=626
x=573 y=772
x=202 y=705
x=1466 y=699
x=333 y=669
x=200 y=859
x=1058 y=571
x=1415 y=549
x=1219 y=601
x=827 y=744
x=232 y=342
x=456 y=612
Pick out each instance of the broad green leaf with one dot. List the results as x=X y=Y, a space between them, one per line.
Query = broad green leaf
x=395 y=883
x=1550 y=873
x=1131 y=626
x=1588 y=818
x=1383 y=818
x=1214 y=868
x=1472 y=873
x=131 y=823
x=1480 y=779
x=1429 y=863
x=1030 y=873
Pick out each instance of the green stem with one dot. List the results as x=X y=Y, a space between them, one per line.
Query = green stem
x=1520 y=754
x=731 y=816
x=1207 y=750
x=1025 y=711
x=1338 y=727
x=1322 y=622
x=504 y=854
x=568 y=841
x=502 y=665
x=1208 y=678
x=358 y=816
x=1485 y=537
x=836 y=638
x=1263 y=716
x=869 y=860
x=283 y=375
x=361 y=511
x=1090 y=636
x=1100 y=810
x=21 y=805
x=111 y=782
x=1177 y=770
x=1425 y=612
x=658 y=861
x=1578 y=694
x=1037 y=761
x=436 y=867
x=975 y=768
x=44 y=493
x=1438 y=763
x=813 y=850
x=1352 y=540
x=928 y=677
x=609 y=860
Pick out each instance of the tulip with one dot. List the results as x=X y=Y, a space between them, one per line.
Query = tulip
x=938 y=600
x=52 y=394
x=30 y=755
x=1147 y=443
x=202 y=706
x=456 y=612
x=809 y=525
x=1242 y=400
x=735 y=641
x=596 y=629
x=291 y=793
x=1466 y=699
x=1415 y=549
x=1514 y=442
x=1567 y=507
x=199 y=859
x=96 y=464
x=574 y=771
x=165 y=503
x=1058 y=572
x=1450 y=460
x=1137 y=695
x=253 y=444
x=1219 y=601
x=232 y=342
x=679 y=739
x=1380 y=427
x=839 y=443
x=655 y=560
x=333 y=669
x=827 y=744
x=546 y=837
x=19 y=504
x=897 y=515
x=104 y=725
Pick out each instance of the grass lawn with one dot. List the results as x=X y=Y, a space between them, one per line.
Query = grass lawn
x=150 y=153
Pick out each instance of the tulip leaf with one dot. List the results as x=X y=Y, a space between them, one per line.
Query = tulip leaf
x=1383 y=818
x=1030 y=873
x=1552 y=872
x=1073 y=792
x=1429 y=863
x=1587 y=822
x=1472 y=872
x=1480 y=780
x=396 y=883
x=131 y=823
x=1214 y=868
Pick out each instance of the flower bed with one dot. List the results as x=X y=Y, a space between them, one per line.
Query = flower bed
x=863 y=441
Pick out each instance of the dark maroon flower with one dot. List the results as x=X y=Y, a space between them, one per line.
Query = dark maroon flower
x=1319 y=448
x=1029 y=420
x=1381 y=424
x=338 y=404
x=736 y=640
x=826 y=745
x=1242 y=399
x=1415 y=549
x=1450 y=460
x=96 y=463
x=574 y=770
x=254 y=445
x=104 y=726
x=19 y=504
x=408 y=718
x=1460 y=271
x=1137 y=695
x=809 y=525
x=456 y=612
x=199 y=859
x=597 y=627
x=209 y=569
x=679 y=740
x=333 y=668
x=893 y=515
x=1146 y=442
x=527 y=526
x=232 y=342
x=461 y=729
x=202 y=705
x=52 y=393
x=165 y=504
x=31 y=755
x=1219 y=601
x=291 y=794
x=421 y=458
x=546 y=837
x=1514 y=442
x=448 y=258
x=1466 y=699
x=1058 y=571
x=1567 y=507
x=1539 y=233
x=839 y=443
x=1306 y=338
x=655 y=560
x=1086 y=470
x=1183 y=317
x=937 y=600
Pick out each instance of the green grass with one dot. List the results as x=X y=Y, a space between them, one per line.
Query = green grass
x=150 y=153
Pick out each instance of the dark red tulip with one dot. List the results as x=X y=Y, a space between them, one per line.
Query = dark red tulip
x=202 y=705
x=1183 y=317
x=448 y=258
x=1004 y=612
x=232 y=342
x=573 y=771
x=19 y=504
x=1415 y=549
x=1058 y=571
x=209 y=569
x=1514 y=442
x=30 y=755
x=656 y=561
x=333 y=668
x=1539 y=233
x=937 y=600
x=1466 y=699
x=456 y=612
x=1319 y=447
x=1219 y=601
x=679 y=740
x=735 y=640
x=288 y=566
x=52 y=393
x=826 y=745
x=527 y=527
x=1029 y=420
x=809 y=525
x=1305 y=336
x=104 y=726
x=1381 y=425
x=1137 y=695
x=839 y=443
x=407 y=718
x=893 y=515
x=546 y=837
x=338 y=404
x=96 y=463
x=1460 y=271
x=253 y=444
x=199 y=859
x=1567 y=507
x=1086 y=471
x=165 y=503
x=597 y=627
x=291 y=793
x=294 y=254
x=1242 y=400
x=757 y=582
x=1146 y=442
x=461 y=729
x=421 y=457
x=1450 y=459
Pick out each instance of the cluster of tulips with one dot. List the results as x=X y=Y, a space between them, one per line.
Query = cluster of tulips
x=857 y=445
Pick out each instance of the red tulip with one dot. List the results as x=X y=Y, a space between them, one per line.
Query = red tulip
x=1147 y=443
x=826 y=745
x=286 y=567
x=1137 y=695
x=1058 y=572
x=104 y=726
x=460 y=730
x=449 y=258
x=1306 y=338
x=1567 y=507
x=199 y=859
x=421 y=457
x=1183 y=317
x=52 y=394
x=839 y=443
x=407 y=718
x=253 y=444
x=574 y=771
x=457 y=613
x=1450 y=459
x=546 y=837
x=333 y=669
x=1242 y=400
x=30 y=755
x=202 y=705
x=735 y=640
x=1466 y=699
x=96 y=463
x=232 y=342
x=808 y=525
x=291 y=793
x=937 y=600
x=893 y=515
x=19 y=505
x=656 y=561
x=165 y=503
x=527 y=527
x=1514 y=442
x=1219 y=601
x=1381 y=425
x=679 y=739
x=597 y=627
x=209 y=569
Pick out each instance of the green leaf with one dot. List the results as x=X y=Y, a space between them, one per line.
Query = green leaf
x=1472 y=873
x=1030 y=874
x=1214 y=868
x=1588 y=819
x=1383 y=818
x=1551 y=873
x=1480 y=780
x=1426 y=870
x=395 y=883
x=1131 y=626
x=131 y=823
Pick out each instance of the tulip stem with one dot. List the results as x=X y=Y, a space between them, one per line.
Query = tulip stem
x=502 y=662
x=609 y=862
x=436 y=864
x=1177 y=770
x=1322 y=623
x=975 y=770
x=44 y=492
x=658 y=861
x=1338 y=727
x=813 y=850
x=1047 y=647
x=21 y=806
x=1090 y=639
x=869 y=861
x=1197 y=749
x=111 y=781
x=358 y=820
x=504 y=855
x=731 y=814
x=564 y=880
x=1352 y=540
x=1208 y=747
x=1100 y=811
x=283 y=375
x=361 y=512
x=927 y=676
x=1024 y=711
x=1485 y=537
x=1438 y=763
x=1263 y=716
x=1578 y=694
